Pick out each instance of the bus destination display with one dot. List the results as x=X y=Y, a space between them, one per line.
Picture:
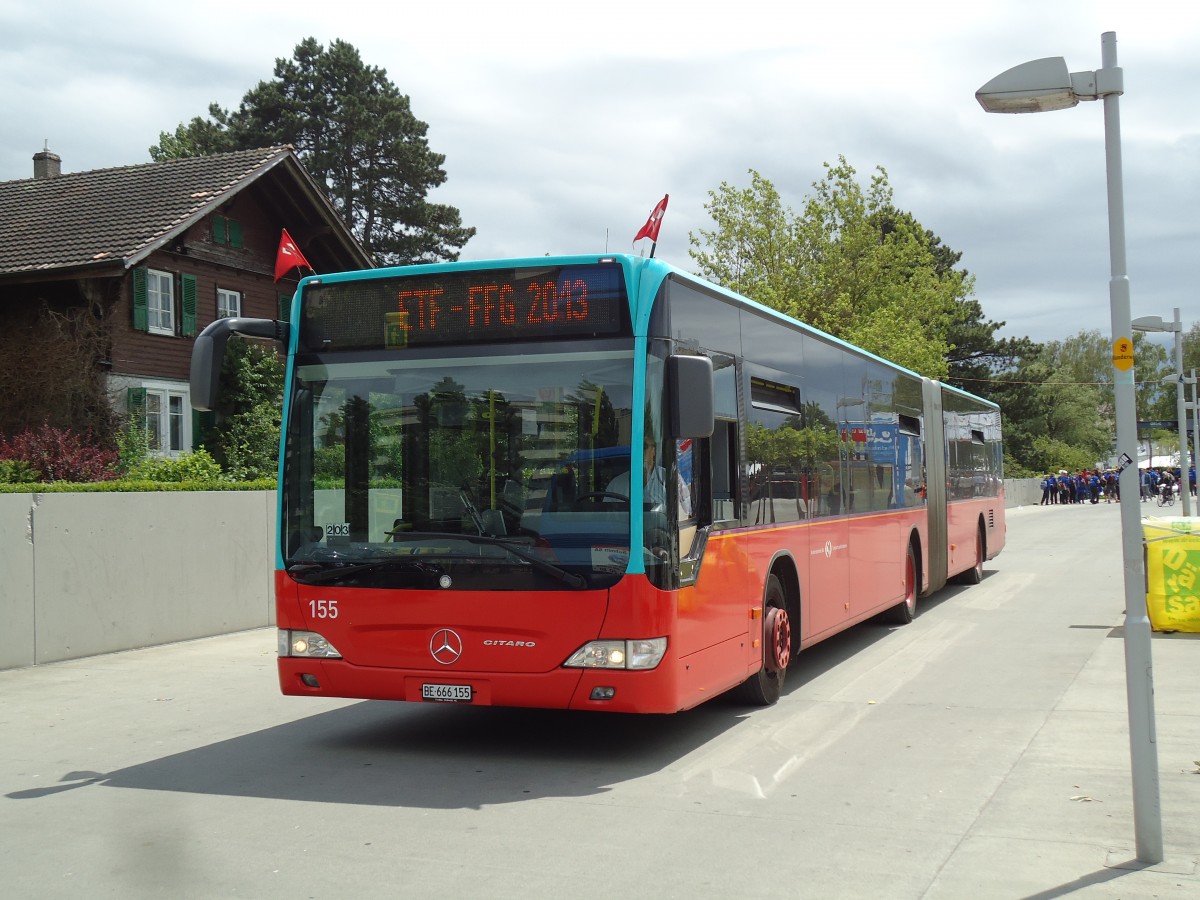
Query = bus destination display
x=467 y=307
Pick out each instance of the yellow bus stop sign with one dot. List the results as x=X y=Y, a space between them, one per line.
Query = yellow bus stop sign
x=1123 y=354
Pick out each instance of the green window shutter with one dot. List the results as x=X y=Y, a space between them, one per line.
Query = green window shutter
x=188 y=305
x=219 y=232
x=135 y=403
x=235 y=234
x=285 y=307
x=141 y=318
x=202 y=424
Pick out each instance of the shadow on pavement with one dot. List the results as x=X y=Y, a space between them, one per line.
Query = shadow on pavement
x=441 y=756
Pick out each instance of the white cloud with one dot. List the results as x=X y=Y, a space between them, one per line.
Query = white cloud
x=563 y=124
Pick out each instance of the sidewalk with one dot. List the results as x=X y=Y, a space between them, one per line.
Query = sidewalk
x=1069 y=794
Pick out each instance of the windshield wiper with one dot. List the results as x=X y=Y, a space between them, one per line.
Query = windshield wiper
x=570 y=579
x=320 y=573
x=469 y=505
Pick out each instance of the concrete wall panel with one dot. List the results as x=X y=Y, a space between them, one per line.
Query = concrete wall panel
x=16 y=582
x=118 y=571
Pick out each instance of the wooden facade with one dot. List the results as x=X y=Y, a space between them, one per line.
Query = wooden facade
x=92 y=240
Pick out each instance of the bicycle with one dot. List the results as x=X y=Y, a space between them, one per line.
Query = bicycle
x=1166 y=496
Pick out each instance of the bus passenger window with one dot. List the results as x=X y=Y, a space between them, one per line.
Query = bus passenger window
x=723 y=445
x=723 y=469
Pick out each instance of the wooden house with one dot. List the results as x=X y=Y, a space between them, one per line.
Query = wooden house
x=155 y=252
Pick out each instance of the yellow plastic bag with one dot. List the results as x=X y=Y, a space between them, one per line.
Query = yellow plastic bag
x=1172 y=573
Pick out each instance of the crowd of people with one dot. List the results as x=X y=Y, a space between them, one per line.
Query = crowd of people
x=1092 y=486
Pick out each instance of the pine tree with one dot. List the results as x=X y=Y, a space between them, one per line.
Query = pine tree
x=356 y=135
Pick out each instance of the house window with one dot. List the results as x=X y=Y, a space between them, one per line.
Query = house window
x=229 y=303
x=163 y=409
x=227 y=231
x=160 y=302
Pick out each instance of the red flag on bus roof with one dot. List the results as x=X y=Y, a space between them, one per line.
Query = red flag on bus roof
x=650 y=229
x=289 y=256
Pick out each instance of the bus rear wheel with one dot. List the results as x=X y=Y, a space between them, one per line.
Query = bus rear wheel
x=974 y=575
x=765 y=686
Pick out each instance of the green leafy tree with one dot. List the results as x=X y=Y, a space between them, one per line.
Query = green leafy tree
x=1050 y=455
x=753 y=248
x=850 y=265
x=978 y=359
x=199 y=137
x=356 y=135
x=245 y=437
x=1152 y=364
x=975 y=353
x=1019 y=391
x=1191 y=348
x=1060 y=395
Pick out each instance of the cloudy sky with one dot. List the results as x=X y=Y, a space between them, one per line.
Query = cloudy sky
x=564 y=123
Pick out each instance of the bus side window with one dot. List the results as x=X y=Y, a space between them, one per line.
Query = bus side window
x=724 y=471
x=723 y=447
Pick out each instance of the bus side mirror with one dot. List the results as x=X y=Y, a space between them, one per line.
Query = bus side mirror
x=690 y=383
x=208 y=353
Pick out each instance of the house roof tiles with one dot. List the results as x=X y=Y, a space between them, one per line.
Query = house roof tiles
x=115 y=217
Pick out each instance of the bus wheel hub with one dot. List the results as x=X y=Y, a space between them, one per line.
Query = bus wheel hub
x=778 y=628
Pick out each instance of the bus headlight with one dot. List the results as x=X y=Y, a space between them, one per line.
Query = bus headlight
x=305 y=644
x=644 y=653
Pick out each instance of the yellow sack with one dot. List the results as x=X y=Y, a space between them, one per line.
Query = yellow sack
x=1172 y=573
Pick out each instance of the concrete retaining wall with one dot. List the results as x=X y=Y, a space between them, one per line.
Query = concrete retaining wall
x=1022 y=492
x=84 y=574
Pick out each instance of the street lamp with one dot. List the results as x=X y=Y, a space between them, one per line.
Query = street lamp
x=1195 y=428
x=1155 y=323
x=1040 y=86
x=1194 y=408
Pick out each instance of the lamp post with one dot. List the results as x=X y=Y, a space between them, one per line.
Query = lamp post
x=1040 y=86
x=1194 y=408
x=1195 y=429
x=1155 y=323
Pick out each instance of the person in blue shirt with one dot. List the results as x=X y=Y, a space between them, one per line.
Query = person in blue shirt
x=654 y=482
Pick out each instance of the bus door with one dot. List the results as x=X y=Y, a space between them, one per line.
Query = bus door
x=714 y=598
x=829 y=414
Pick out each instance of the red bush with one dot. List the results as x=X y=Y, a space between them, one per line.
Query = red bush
x=58 y=454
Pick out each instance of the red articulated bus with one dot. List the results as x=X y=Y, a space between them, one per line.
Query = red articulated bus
x=596 y=482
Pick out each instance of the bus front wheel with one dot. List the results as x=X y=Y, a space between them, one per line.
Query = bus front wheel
x=765 y=686
x=904 y=611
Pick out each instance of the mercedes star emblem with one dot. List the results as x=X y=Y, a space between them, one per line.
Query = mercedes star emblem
x=446 y=646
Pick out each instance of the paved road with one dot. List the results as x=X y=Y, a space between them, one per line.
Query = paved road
x=980 y=752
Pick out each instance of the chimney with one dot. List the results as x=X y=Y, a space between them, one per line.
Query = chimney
x=46 y=165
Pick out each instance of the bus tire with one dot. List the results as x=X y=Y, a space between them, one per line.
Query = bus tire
x=904 y=611
x=765 y=686
x=974 y=575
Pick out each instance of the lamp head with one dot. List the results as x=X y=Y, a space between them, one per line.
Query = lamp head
x=1154 y=323
x=1040 y=85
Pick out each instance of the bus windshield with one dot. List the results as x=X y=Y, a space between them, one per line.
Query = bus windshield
x=475 y=470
